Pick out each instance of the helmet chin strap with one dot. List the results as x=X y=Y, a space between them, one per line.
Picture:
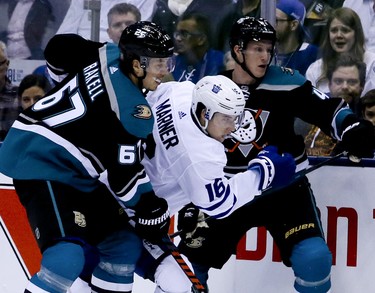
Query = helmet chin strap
x=197 y=122
x=140 y=83
x=247 y=70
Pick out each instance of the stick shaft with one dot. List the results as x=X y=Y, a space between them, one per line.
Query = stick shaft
x=197 y=286
x=172 y=248
x=317 y=166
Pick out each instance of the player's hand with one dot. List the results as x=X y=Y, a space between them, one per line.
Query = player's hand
x=275 y=170
x=188 y=218
x=359 y=139
x=191 y=222
x=151 y=217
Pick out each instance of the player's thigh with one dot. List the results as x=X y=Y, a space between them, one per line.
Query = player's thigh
x=298 y=218
x=58 y=211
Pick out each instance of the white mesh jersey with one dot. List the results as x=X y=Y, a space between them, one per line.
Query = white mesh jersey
x=185 y=165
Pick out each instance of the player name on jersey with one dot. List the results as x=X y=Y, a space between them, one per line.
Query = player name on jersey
x=164 y=121
x=93 y=81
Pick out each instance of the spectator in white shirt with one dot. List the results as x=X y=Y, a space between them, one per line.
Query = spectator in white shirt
x=78 y=20
x=343 y=33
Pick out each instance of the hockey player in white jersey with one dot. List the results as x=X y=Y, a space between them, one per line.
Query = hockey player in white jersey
x=187 y=163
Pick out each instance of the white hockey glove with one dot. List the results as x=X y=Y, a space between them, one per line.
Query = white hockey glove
x=275 y=170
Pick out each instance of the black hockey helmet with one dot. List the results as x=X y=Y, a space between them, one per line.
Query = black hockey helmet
x=248 y=29
x=147 y=39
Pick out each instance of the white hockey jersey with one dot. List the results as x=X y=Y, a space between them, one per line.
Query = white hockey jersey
x=185 y=164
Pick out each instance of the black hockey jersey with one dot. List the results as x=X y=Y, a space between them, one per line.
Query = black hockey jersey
x=271 y=108
x=87 y=130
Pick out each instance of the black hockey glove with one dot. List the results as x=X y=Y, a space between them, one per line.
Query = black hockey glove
x=191 y=221
x=151 y=217
x=358 y=139
x=188 y=218
x=275 y=170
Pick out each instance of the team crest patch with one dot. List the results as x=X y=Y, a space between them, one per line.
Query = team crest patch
x=79 y=219
x=143 y=112
x=287 y=70
x=195 y=242
x=216 y=88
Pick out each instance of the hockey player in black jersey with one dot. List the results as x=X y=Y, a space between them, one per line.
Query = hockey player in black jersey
x=75 y=157
x=275 y=96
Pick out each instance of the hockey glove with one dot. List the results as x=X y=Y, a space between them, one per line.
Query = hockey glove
x=275 y=170
x=191 y=221
x=188 y=218
x=151 y=217
x=359 y=139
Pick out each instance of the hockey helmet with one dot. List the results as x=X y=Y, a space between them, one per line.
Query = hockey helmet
x=251 y=29
x=146 y=39
x=218 y=94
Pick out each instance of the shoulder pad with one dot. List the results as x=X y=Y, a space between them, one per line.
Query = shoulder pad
x=282 y=78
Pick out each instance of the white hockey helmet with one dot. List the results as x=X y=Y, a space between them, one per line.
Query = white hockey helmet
x=218 y=94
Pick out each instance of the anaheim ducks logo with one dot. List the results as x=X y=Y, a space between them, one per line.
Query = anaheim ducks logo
x=195 y=242
x=143 y=112
x=79 y=219
x=287 y=70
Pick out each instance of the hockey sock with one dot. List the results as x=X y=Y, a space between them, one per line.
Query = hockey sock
x=61 y=265
x=311 y=262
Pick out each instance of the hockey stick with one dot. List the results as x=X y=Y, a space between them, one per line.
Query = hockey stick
x=304 y=172
x=197 y=287
x=296 y=177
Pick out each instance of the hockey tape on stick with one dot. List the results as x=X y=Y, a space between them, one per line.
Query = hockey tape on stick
x=166 y=240
x=197 y=286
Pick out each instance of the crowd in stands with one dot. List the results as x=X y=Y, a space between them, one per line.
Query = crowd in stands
x=317 y=38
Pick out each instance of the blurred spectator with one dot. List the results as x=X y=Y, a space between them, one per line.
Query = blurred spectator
x=292 y=48
x=366 y=11
x=367 y=104
x=346 y=80
x=42 y=70
x=316 y=17
x=343 y=33
x=228 y=61
x=78 y=19
x=31 y=89
x=119 y=17
x=228 y=15
x=165 y=17
x=194 y=58
x=9 y=104
x=27 y=26
x=168 y=12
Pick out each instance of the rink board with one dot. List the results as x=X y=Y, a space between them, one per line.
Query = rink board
x=345 y=196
